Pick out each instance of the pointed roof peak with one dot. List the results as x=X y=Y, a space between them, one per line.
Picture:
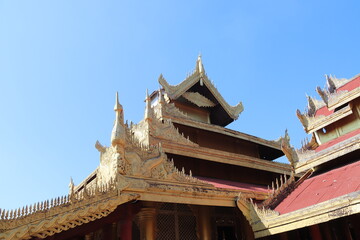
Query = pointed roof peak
x=147 y=97
x=118 y=106
x=148 y=110
x=207 y=90
x=118 y=132
x=71 y=182
x=199 y=65
x=161 y=96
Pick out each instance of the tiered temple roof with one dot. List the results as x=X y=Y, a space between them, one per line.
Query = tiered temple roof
x=143 y=162
x=329 y=164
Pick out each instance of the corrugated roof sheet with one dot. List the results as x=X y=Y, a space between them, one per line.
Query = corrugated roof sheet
x=220 y=183
x=323 y=187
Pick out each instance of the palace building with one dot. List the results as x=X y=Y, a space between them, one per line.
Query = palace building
x=181 y=174
x=325 y=202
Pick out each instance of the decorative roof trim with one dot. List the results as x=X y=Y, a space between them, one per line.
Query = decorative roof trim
x=306 y=158
x=229 y=158
x=334 y=83
x=229 y=132
x=265 y=222
x=309 y=159
x=199 y=75
x=60 y=214
x=331 y=97
x=314 y=123
x=198 y=99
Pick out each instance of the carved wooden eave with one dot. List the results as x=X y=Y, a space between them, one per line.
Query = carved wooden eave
x=227 y=157
x=159 y=131
x=308 y=159
x=314 y=123
x=280 y=189
x=265 y=222
x=142 y=167
x=187 y=193
x=199 y=76
x=198 y=99
x=304 y=159
x=275 y=144
x=289 y=150
x=335 y=98
x=332 y=97
x=170 y=112
x=60 y=214
x=313 y=105
x=309 y=118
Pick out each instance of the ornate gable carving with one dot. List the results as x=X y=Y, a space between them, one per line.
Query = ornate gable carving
x=198 y=99
x=331 y=97
x=139 y=153
x=199 y=75
x=47 y=218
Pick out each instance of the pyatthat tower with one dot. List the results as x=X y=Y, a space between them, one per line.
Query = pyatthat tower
x=177 y=174
x=325 y=202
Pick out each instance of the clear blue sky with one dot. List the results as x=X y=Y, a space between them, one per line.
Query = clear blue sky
x=61 y=63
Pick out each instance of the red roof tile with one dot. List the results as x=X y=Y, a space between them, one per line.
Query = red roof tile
x=324 y=111
x=355 y=83
x=219 y=183
x=323 y=187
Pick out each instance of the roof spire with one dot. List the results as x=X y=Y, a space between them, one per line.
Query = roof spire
x=118 y=132
x=199 y=65
x=118 y=106
x=161 y=97
x=71 y=186
x=161 y=102
x=200 y=69
x=147 y=106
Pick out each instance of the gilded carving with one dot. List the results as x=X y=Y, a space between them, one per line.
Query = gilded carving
x=200 y=76
x=198 y=99
x=289 y=150
x=49 y=217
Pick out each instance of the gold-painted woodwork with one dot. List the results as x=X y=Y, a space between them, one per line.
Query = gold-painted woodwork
x=267 y=222
x=52 y=220
x=147 y=222
x=200 y=76
x=204 y=222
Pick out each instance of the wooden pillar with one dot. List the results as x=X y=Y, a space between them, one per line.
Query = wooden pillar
x=344 y=228
x=284 y=236
x=326 y=230
x=126 y=228
x=89 y=236
x=147 y=220
x=114 y=235
x=315 y=232
x=107 y=231
x=204 y=223
x=245 y=228
x=355 y=223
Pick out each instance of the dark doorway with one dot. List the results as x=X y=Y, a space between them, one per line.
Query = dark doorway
x=226 y=233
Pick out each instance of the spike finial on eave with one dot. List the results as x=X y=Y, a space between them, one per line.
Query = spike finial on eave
x=118 y=106
x=324 y=94
x=147 y=115
x=288 y=149
x=200 y=68
x=161 y=99
x=118 y=132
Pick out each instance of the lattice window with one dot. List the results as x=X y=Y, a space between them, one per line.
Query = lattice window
x=166 y=226
x=176 y=221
